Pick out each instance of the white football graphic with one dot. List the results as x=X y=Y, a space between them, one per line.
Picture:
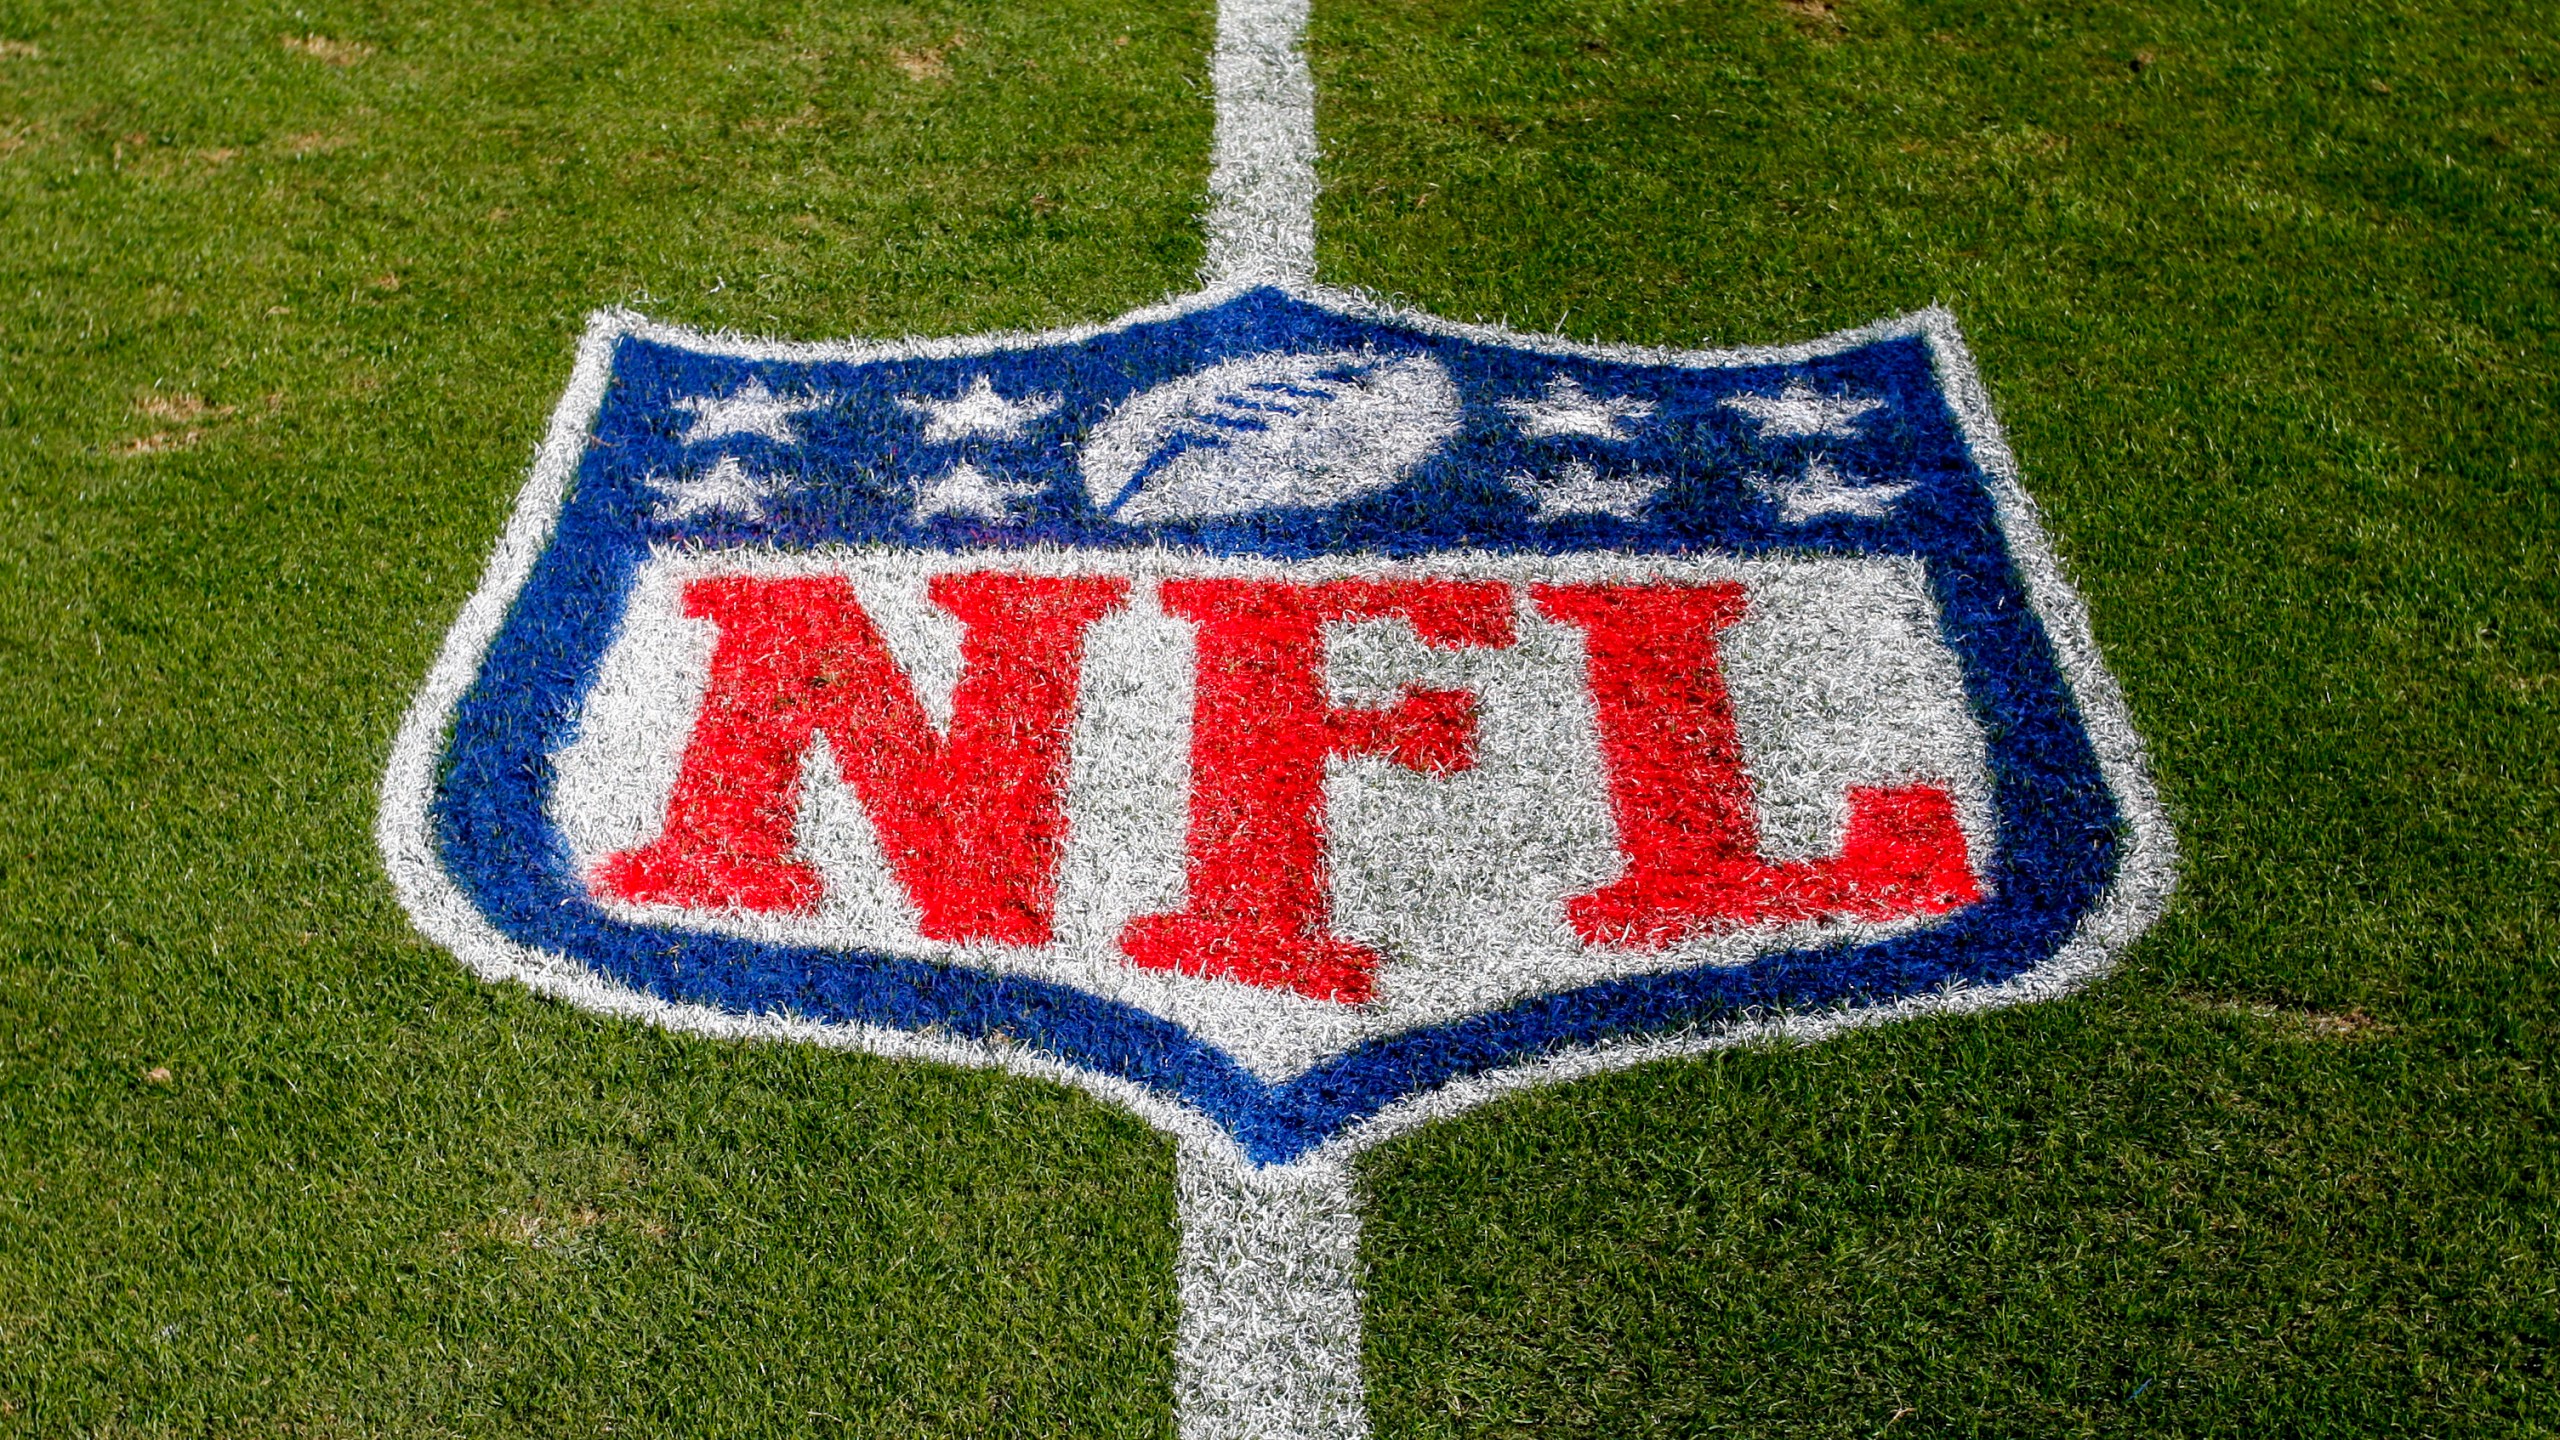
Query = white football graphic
x=1268 y=432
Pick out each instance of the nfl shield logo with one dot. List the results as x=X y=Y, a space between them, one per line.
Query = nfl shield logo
x=1284 y=716
x=1281 y=716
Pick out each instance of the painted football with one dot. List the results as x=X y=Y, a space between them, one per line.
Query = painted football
x=1269 y=432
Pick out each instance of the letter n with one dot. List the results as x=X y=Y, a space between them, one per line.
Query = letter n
x=972 y=822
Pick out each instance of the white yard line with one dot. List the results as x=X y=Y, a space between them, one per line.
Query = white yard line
x=1269 y=1341
x=1262 y=166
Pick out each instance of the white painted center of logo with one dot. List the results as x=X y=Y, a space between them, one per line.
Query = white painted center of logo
x=1460 y=880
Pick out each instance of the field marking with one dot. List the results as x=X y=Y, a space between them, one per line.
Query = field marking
x=1261 y=222
x=1269 y=1338
x=405 y=835
x=1266 y=1323
x=1268 y=1344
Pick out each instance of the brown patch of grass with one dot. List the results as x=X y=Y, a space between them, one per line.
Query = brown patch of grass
x=800 y=119
x=341 y=53
x=928 y=62
x=20 y=50
x=2350 y=1024
x=180 y=409
x=160 y=442
x=183 y=420
x=159 y=1075
x=2338 y=1024
x=160 y=162
x=539 y=1229
x=315 y=142
x=1815 y=17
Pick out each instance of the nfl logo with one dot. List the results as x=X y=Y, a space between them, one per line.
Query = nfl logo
x=1280 y=707
x=1284 y=717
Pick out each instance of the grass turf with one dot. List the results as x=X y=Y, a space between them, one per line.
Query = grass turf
x=2267 y=296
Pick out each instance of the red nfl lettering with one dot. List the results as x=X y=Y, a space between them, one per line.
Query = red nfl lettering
x=1683 y=801
x=971 y=823
x=1262 y=730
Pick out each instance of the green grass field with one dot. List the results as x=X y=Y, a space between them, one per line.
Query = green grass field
x=2268 y=295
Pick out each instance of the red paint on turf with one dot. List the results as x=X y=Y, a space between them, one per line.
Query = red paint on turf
x=972 y=824
x=1683 y=803
x=1262 y=728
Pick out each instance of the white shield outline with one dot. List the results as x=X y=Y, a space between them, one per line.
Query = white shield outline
x=2135 y=897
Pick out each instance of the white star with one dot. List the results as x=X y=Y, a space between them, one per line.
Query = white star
x=1802 y=410
x=1570 y=410
x=978 y=410
x=724 y=487
x=1825 y=491
x=1575 y=488
x=753 y=410
x=964 y=489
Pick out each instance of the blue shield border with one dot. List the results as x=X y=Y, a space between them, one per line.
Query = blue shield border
x=2085 y=860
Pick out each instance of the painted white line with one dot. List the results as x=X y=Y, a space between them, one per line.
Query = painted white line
x=1262 y=166
x=1269 y=1344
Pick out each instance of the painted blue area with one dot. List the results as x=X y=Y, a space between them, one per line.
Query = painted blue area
x=854 y=474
